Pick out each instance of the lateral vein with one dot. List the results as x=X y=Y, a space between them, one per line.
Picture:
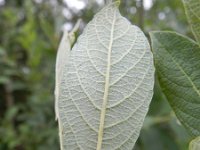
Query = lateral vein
x=185 y=74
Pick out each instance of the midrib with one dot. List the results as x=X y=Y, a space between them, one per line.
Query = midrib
x=106 y=90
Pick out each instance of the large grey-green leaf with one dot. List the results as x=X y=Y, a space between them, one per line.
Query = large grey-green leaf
x=177 y=61
x=107 y=85
x=192 y=8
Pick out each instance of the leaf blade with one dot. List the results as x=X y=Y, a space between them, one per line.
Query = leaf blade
x=177 y=62
x=61 y=59
x=110 y=54
x=192 y=9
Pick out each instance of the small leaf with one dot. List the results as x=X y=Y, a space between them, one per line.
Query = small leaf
x=192 y=9
x=195 y=144
x=106 y=86
x=177 y=61
x=61 y=60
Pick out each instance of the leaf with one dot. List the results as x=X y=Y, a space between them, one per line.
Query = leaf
x=62 y=59
x=195 y=144
x=192 y=9
x=177 y=61
x=107 y=85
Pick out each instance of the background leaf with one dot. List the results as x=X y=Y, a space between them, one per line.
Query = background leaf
x=177 y=61
x=107 y=85
x=192 y=9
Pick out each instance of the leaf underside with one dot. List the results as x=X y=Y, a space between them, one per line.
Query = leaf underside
x=106 y=86
x=192 y=8
x=61 y=60
x=177 y=62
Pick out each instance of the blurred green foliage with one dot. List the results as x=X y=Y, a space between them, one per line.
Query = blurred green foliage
x=30 y=31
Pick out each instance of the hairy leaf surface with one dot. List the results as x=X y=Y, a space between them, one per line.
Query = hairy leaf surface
x=192 y=8
x=107 y=85
x=177 y=61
